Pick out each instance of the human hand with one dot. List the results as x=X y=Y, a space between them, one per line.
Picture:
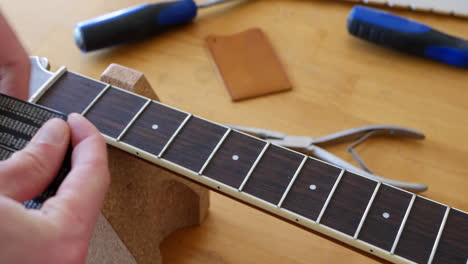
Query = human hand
x=14 y=63
x=61 y=230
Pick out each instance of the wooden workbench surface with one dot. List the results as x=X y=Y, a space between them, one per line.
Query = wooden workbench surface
x=339 y=82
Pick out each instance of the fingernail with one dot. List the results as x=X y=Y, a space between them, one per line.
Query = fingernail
x=53 y=132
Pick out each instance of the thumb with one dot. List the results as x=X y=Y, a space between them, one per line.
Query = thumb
x=28 y=172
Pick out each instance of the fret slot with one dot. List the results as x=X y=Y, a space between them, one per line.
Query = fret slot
x=133 y=120
x=367 y=210
x=71 y=93
x=385 y=217
x=154 y=128
x=453 y=243
x=273 y=174
x=169 y=142
x=330 y=195
x=292 y=181
x=439 y=234
x=194 y=143
x=247 y=177
x=93 y=102
x=214 y=151
x=349 y=203
x=421 y=229
x=114 y=110
x=233 y=160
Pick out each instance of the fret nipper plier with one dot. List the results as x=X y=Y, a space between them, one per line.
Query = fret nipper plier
x=313 y=147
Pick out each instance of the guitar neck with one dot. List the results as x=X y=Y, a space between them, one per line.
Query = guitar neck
x=387 y=222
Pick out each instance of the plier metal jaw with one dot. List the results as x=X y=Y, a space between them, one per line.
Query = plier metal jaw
x=313 y=147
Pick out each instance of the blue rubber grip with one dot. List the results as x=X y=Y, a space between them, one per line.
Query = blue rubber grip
x=134 y=23
x=407 y=36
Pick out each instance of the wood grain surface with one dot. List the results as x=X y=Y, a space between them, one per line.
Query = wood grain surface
x=71 y=94
x=194 y=144
x=451 y=243
x=339 y=82
x=114 y=110
x=228 y=171
x=422 y=225
x=348 y=203
x=144 y=136
x=304 y=201
x=394 y=203
x=273 y=173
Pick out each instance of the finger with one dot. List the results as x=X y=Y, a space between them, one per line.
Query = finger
x=16 y=224
x=14 y=63
x=28 y=172
x=79 y=198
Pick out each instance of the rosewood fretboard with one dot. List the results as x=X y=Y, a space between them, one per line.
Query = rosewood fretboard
x=385 y=221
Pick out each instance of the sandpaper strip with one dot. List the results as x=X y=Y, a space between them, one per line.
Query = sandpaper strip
x=248 y=64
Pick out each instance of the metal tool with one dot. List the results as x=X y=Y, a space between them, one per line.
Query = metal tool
x=313 y=147
x=136 y=23
x=407 y=36
x=20 y=122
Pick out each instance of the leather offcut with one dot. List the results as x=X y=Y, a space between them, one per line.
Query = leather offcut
x=248 y=64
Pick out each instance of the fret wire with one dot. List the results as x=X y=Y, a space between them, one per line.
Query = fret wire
x=215 y=150
x=439 y=235
x=292 y=181
x=253 y=166
x=402 y=226
x=330 y=196
x=174 y=135
x=47 y=85
x=133 y=120
x=361 y=223
x=93 y=102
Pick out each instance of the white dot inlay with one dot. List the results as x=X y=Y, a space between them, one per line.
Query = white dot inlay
x=386 y=215
x=154 y=127
x=313 y=187
x=235 y=157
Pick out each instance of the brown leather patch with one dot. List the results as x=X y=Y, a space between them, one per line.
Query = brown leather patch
x=248 y=64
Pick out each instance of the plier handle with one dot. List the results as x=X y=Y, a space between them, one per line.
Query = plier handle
x=313 y=147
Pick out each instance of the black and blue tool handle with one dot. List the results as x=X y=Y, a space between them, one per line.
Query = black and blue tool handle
x=134 y=23
x=407 y=36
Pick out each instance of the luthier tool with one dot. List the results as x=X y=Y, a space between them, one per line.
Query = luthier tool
x=313 y=146
x=19 y=121
x=136 y=23
x=407 y=36
x=447 y=7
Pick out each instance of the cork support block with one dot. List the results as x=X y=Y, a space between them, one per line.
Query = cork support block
x=145 y=203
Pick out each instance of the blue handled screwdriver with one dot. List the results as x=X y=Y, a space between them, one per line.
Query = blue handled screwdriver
x=407 y=36
x=136 y=23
